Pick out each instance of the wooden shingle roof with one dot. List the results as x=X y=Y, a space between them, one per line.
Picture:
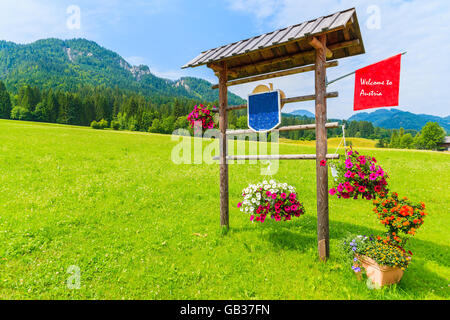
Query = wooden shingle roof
x=287 y=48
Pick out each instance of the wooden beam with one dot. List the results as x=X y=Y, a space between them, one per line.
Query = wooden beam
x=276 y=74
x=223 y=123
x=279 y=157
x=316 y=44
x=331 y=125
x=321 y=150
x=311 y=97
x=336 y=46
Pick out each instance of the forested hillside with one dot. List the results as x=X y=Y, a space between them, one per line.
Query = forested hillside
x=68 y=64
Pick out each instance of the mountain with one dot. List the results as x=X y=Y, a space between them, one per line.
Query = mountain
x=396 y=119
x=67 y=64
x=302 y=113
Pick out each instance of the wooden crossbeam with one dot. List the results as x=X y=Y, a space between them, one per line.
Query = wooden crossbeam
x=311 y=97
x=276 y=74
x=279 y=157
x=234 y=71
x=331 y=125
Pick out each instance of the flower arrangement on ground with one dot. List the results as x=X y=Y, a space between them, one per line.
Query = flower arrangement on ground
x=272 y=199
x=385 y=258
x=201 y=115
x=359 y=176
x=385 y=254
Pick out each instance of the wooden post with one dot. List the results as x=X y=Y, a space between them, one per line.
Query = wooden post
x=321 y=149
x=223 y=124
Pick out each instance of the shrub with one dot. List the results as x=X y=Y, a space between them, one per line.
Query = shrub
x=103 y=124
x=20 y=113
x=115 y=125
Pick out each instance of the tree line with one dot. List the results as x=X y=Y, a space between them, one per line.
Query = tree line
x=103 y=107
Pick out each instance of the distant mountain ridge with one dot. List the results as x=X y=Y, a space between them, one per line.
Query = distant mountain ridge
x=396 y=119
x=67 y=64
x=302 y=113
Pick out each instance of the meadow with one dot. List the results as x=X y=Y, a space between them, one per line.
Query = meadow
x=137 y=226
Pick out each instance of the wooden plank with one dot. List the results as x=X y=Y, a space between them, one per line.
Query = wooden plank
x=276 y=74
x=223 y=123
x=279 y=157
x=311 y=97
x=321 y=152
x=331 y=125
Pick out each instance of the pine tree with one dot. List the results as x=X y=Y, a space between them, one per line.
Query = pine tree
x=5 y=102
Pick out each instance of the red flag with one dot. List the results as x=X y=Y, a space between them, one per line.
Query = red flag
x=378 y=85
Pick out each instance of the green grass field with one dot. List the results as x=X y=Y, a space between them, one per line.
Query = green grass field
x=140 y=227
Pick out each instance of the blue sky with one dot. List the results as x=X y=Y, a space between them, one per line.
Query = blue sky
x=165 y=34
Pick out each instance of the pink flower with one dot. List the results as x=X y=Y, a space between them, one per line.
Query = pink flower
x=269 y=194
x=332 y=192
x=239 y=205
x=340 y=188
x=349 y=164
x=362 y=160
x=287 y=209
x=373 y=176
x=350 y=153
x=362 y=189
x=263 y=218
x=287 y=218
x=348 y=174
x=252 y=218
x=293 y=196
x=350 y=189
x=294 y=208
x=277 y=217
x=283 y=196
x=323 y=163
x=274 y=196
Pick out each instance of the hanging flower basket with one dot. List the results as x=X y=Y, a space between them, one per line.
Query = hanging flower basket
x=274 y=200
x=201 y=117
x=358 y=176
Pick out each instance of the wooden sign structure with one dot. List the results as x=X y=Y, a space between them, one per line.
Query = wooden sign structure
x=296 y=49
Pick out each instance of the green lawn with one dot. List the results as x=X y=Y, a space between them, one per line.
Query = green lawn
x=114 y=205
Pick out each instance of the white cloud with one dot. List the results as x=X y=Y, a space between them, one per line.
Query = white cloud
x=419 y=27
x=25 y=21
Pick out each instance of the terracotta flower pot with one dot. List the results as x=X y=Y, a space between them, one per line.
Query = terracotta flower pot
x=381 y=275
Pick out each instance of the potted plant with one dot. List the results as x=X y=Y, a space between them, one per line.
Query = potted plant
x=383 y=262
x=385 y=259
x=399 y=216
x=358 y=176
x=278 y=201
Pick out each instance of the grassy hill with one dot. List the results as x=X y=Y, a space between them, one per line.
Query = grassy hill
x=137 y=226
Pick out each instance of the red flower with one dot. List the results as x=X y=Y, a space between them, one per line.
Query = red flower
x=323 y=163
